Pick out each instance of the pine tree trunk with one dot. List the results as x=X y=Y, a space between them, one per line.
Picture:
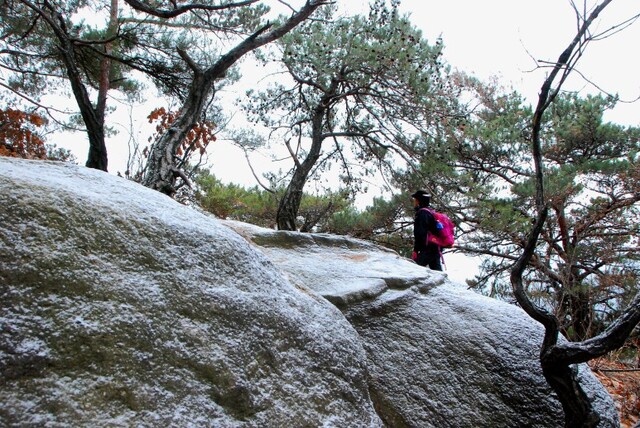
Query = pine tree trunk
x=97 y=157
x=555 y=366
x=161 y=173
x=580 y=312
x=161 y=170
x=92 y=117
x=290 y=202
x=578 y=412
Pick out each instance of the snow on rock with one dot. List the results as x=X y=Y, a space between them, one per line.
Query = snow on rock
x=439 y=355
x=341 y=269
x=121 y=307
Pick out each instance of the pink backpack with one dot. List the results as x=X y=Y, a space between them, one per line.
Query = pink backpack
x=445 y=235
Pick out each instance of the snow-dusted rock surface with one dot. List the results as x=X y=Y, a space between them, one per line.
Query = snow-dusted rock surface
x=120 y=307
x=439 y=355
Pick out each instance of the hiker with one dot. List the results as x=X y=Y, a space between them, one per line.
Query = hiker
x=424 y=254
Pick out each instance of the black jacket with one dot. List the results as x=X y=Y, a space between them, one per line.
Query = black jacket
x=423 y=223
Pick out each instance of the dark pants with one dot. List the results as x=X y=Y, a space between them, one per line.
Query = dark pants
x=430 y=257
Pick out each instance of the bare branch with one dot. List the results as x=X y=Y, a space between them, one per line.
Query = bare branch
x=294 y=156
x=253 y=172
x=612 y=338
x=261 y=37
x=179 y=10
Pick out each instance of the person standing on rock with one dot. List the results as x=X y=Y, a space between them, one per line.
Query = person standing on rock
x=424 y=253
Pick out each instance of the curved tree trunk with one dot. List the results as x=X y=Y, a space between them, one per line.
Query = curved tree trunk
x=161 y=170
x=578 y=412
x=97 y=157
x=557 y=359
x=558 y=364
x=290 y=202
x=93 y=117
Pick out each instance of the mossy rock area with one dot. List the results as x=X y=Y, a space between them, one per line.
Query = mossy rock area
x=121 y=307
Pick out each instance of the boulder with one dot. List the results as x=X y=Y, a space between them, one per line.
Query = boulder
x=439 y=355
x=121 y=307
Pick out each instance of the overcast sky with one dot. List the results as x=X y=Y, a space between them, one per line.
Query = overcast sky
x=502 y=38
x=486 y=38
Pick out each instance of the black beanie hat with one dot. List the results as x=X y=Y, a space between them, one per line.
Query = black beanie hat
x=423 y=197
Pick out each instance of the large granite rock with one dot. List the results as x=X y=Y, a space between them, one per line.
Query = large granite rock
x=120 y=307
x=438 y=354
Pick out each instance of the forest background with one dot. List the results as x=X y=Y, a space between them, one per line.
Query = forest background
x=494 y=41
x=501 y=43
x=454 y=102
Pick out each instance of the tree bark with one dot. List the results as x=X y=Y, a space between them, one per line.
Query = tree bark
x=557 y=361
x=290 y=202
x=93 y=119
x=97 y=157
x=578 y=304
x=161 y=172
x=179 y=10
x=578 y=412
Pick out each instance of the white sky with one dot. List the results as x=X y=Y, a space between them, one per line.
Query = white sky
x=486 y=38
x=500 y=38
